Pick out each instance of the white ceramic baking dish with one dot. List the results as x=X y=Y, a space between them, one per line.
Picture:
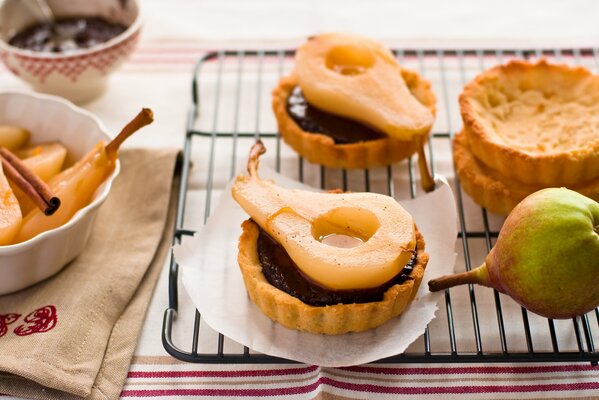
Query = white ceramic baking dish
x=50 y=118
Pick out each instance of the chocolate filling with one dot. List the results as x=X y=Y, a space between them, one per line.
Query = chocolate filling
x=280 y=270
x=67 y=34
x=312 y=120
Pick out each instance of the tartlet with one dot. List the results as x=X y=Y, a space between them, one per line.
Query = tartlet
x=319 y=148
x=357 y=80
x=326 y=263
x=335 y=319
x=493 y=191
x=536 y=123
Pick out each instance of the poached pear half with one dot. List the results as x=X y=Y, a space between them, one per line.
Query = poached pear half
x=299 y=220
x=360 y=79
x=546 y=257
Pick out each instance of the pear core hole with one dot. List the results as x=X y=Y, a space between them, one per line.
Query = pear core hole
x=345 y=227
x=341 y=240
x=349 y=60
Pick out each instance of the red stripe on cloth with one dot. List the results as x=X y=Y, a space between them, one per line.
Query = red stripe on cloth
x=221 y=374
x=550 y=387
x=222 y=392
x=472 y=370
x=364 y=388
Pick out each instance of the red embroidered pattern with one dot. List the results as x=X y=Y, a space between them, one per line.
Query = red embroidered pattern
x=74 y=66
x=6 y=320
x=39 y=321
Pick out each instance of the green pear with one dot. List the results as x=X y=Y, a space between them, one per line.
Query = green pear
x=546 y=257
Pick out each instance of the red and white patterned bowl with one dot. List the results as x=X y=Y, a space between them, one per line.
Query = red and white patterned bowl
x=80 y=75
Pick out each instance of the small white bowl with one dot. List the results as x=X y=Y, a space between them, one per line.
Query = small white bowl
x=50 y=118
x=80 y=75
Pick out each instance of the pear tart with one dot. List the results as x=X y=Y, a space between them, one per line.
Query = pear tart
x=493 y=191
x=348 y=104
x=298 y=277
x=334 y=318
x=536 y=123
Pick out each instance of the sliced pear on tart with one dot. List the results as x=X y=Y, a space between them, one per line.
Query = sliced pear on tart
x=299 y=219
x=359 y=78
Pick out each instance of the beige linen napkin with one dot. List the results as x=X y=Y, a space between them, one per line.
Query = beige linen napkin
x=73 y=335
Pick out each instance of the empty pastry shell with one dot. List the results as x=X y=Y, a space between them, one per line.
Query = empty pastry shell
x=537 y=123
x=489 y=189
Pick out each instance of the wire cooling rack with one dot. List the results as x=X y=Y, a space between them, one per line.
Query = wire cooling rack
x=230 y=108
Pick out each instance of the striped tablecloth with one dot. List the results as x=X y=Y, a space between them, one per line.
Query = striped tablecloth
x=159 y=74
x=167 y=378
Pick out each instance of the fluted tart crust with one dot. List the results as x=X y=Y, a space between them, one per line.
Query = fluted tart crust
x=537 y=123
x=335 y=319
x=322 y=149
x=493 y=191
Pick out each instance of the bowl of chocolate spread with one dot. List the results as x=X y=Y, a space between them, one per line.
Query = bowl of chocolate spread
x=73 y=55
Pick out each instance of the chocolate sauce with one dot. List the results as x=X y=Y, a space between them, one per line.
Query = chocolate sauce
x=280 y=270
x=67 y=34
x=341 y=130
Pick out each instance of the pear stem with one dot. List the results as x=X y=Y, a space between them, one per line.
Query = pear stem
x=427 y=180
x=145 y=117
x=478 y=275
x=254 y=159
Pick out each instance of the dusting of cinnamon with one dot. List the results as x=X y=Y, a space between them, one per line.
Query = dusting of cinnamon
x=7 y=198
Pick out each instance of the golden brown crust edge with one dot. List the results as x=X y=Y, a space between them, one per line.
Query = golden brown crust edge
x=492 y=191
x=567 y=168
x=330 y=320
x=321 y=149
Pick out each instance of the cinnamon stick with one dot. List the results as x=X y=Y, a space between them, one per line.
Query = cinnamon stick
x=26 y=180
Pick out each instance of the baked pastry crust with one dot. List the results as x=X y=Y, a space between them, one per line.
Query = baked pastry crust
x=321 y=149
x=535 y=123
x=335 y=319
x=489 y=189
